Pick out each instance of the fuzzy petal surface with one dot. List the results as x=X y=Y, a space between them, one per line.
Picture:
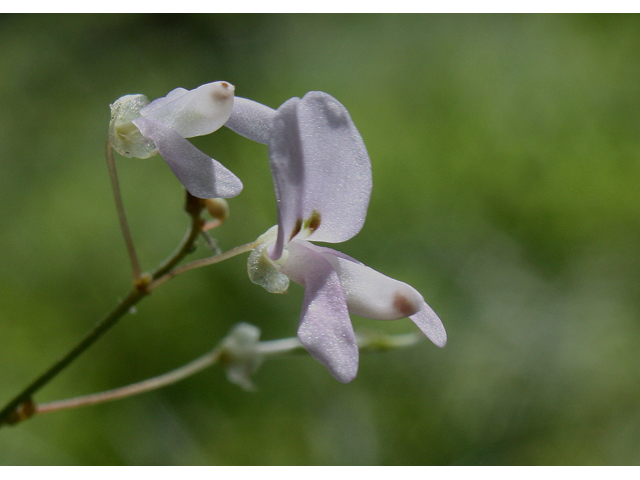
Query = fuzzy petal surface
x=325 y=327
x=200 y=174
x=251 y=119
x=162 y=101
x=191 y=113
x=287 y=169
x=321 y=170
x=337 y=168
x=371 y=294
x=427 y=321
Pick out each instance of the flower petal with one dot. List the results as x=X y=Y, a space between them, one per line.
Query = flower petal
x=162 y=101
x=371 y=294
x=251 y=119
x=321 y=171
x=337 y=168
x=325 y=327
x=191 y=113
x=200 y=174
x=427 y=321
x=287 y=169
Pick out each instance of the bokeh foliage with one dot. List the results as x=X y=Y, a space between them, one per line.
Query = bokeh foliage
x=505 y=152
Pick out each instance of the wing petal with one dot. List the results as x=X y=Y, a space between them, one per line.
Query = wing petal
x=200 y=174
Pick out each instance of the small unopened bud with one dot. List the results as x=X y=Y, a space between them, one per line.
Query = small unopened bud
x=218 y=208
x=240 y=356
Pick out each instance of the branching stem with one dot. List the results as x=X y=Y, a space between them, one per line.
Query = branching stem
x=21 y=407
x=11 y=415
x=200 y=263
x=366 y=343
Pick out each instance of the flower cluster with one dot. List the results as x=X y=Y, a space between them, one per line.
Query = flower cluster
x=322 y=176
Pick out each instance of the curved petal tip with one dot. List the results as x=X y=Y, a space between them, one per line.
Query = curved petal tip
x=427 y=321
x=200 y=174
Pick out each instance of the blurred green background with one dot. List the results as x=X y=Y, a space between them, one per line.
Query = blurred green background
x=505 y=154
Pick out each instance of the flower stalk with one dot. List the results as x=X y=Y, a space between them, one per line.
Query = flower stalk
x=201 y=363
x=228 y=354
x=21 y=407
x=122 y=216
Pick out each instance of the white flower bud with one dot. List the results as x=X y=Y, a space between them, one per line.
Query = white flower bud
x=218 y=208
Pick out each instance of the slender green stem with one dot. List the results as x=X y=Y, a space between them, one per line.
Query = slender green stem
x=226 y=354
x=193 y=206
x=21 y=407
x=122 y=216
x=205 y=361
x=159 y=280
x=10 y=413
x=272 y=347
x=106 y=323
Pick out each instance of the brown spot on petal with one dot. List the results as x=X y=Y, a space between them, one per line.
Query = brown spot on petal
x=404 y=305
x=223 y=93
x=296 y=229
x=314 y=221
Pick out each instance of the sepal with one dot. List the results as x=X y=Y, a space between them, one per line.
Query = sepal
x=125 y=137
x=262 y=269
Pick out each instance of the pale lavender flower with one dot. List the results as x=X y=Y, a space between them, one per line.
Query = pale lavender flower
x=322 y=177
x=142 y=129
